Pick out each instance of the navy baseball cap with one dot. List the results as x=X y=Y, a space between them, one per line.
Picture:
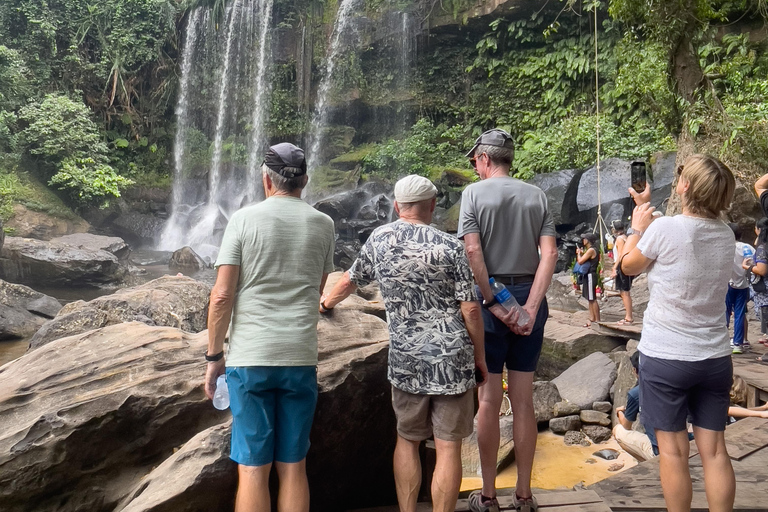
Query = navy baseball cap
x=285 y=155
x=494 y=137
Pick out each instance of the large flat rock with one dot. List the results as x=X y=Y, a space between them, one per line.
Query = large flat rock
x=174 y=301
x=57 y=263
x=587 y=381
x=85 y=416
x=116 y=418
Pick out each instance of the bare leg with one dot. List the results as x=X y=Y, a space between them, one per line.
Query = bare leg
x=490 y=396
x=719 y=480
x=253 y=489
x=446 y=479
x=294 y=487
x=674 y=471
x=626 y=298
x=407 y=468
x=594 y=311
x=524 y=428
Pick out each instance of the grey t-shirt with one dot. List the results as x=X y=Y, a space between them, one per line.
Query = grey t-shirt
x=510 y=216
x=283 y=247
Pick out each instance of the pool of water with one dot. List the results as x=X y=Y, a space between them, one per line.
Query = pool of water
x=10 y=350
x=557 y=465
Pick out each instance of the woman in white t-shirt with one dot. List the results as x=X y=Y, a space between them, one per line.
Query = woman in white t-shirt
x=685 y=360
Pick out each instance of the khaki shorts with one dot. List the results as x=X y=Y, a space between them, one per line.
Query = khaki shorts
x=636 y=443
x=448 y=417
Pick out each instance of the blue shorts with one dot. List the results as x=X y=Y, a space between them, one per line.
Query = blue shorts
x=272 y=412
x=502 y=346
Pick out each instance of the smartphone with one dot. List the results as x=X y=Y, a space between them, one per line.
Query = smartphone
x=478 y=376
x=638 y=176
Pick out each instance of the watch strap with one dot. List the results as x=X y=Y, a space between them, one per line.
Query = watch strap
x=489 y=303
x=215 y=357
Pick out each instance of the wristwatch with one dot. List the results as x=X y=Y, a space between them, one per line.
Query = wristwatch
x=214 y=357
x=631 y=231
x=489 y=303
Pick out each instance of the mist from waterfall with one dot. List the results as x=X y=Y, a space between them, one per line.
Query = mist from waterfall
x=223 y=97
x=320 y=116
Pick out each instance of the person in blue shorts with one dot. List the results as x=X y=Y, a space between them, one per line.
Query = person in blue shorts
x=273 y=262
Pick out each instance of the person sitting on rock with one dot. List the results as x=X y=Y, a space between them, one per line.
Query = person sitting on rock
x=589 y=254
x=623 y=283
x=436 y=337
x=274 y=259
x=685 y=357
x=640 y=446
x=738 y=408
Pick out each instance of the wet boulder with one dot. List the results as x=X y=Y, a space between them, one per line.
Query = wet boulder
x=186 y=259
x=180 y=302
x=564 y=424
x=57 y=263
x=23 y=310
x=597 y=433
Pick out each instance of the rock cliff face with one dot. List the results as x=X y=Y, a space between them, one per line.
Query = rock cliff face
x=94 y=422
x=170 y=300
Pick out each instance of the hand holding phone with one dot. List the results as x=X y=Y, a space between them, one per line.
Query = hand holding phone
x=639 y=178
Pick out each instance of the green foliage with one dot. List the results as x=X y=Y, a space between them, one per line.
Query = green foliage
x=571 y=143
x=59 y=128
x=424 y=147
x=88 y=182
x=14 y=85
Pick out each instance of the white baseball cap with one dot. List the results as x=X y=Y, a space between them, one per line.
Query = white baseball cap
x=414 y=188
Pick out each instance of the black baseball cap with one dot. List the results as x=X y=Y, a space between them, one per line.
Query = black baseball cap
x=494 y=137
x=591 y=237
x=285 y=155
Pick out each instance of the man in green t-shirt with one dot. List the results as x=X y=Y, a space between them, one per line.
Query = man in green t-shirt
x=273 y=262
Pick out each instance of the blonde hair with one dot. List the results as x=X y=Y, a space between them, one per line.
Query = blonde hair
x=739 y=392
x=710 y=185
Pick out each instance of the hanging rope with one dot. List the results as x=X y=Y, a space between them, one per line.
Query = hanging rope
x=600 y=223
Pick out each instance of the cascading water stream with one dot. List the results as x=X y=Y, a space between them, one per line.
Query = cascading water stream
x=234 y=64
x=320 y=117
x=182 y=115
x=260 y=96
x=224 y=86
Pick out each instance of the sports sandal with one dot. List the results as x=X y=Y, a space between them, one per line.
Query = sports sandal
x=476 y=503
x=525 y=504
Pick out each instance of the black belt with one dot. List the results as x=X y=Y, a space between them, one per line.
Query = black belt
x=513 y=280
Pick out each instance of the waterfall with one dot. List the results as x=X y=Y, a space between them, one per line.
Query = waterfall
x=223 y=93
x=260 y=97
x=182 y=116
x=320 y=116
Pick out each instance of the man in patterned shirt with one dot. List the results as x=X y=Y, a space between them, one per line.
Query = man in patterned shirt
x=436 y=337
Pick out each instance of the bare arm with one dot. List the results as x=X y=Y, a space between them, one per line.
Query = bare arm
x=219 y=317
x=741 y=412
x=541 y=281
x=473 y=320
x=586 y=256
x=761 y=185
x=634 y=263
x=474 y=250
x=343 y=288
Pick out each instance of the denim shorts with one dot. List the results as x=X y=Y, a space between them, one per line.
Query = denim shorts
x=503 y=347
x=272 y=412
x=670 y=390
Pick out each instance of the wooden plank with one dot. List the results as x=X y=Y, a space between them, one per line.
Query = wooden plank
x=586 y=507
x=558 y=498
x=746 y=436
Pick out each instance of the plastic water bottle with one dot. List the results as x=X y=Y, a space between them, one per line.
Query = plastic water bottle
x=221 y=396
x=507 y=301
x=747 y=251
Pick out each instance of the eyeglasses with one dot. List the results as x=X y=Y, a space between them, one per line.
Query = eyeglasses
x=473 y=161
